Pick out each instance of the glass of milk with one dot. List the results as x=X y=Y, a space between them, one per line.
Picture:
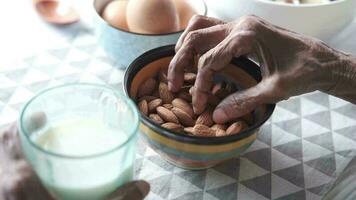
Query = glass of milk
x=80 y=139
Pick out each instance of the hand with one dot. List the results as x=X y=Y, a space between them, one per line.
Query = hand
x=291 y=64
x=19 y=182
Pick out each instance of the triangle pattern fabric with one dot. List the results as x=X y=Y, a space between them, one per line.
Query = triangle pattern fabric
x=310 y=107
x=261 y=157
x=246 y=193
x=339 y=121
x=293 y=105
x=348 y=110
x=265 y=134
x=191 y=195
x=324 y=140
x=229 y=168
x=319 y=98
x=291 y=126
x=349 y=132
x=325 y=164
x=292 y=174
x=321 y=118
x=215 y=179
x=281 y=136
x=282 y=161
x=260 y=184
x=59 y=53
x=297 y=196
x=225 y=192
x=281 y=187
x=185 y=187
x=293 y=149
x=249 y=170
x=195 y=177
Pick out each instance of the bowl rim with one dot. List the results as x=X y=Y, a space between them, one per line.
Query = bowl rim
x=311 y=5
x=164 y=51
x=97 y=14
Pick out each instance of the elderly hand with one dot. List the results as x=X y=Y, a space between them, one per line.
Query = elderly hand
x=19 y=182
x=291 y=63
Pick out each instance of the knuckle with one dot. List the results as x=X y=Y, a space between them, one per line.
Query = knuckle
x=250 y=21
x=196 y=19
x=192 y=36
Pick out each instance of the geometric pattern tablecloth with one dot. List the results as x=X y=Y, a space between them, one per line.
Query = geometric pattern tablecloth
x=298 y=154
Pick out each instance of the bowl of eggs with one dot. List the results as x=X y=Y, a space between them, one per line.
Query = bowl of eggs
x=128 y=28
x=169 y=125
x=318 y=18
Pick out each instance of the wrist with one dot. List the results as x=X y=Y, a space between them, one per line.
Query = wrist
x=341 y=75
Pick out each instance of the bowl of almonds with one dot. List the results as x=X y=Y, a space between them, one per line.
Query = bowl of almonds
x=168 y=122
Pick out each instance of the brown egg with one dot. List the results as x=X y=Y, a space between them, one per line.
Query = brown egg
x=152 y=16
x=115 y=14
x=185 y=12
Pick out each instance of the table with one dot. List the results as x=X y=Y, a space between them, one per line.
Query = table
x=299 y=153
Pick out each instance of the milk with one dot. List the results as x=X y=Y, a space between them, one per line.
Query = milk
x=67 y=179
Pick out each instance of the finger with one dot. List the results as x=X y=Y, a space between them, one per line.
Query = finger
x=197 y=22
x=134 y=190
x=245 y=101
x=197 y=42
x=239 y=43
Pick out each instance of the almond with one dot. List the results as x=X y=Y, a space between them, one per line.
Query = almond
x=184 y=118
x=147 y=98
x=236 y=128
x=147 y=87
x=219 y=126
x=152 y=105
x=185 y=96
x=168 y=106
x=173 y=126
x=202 y=130
x=220 y=133
x=186 y=88
x=164 y=93
x=183 y=105
x=156 y=119
x=143 y=107
x=189 y=77
x=167 y=115
x=191 y=90
x=162 y=75
x=219 y=129
x=189 y=130
x=206 y=118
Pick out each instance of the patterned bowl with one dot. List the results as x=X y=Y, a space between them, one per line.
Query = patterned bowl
x=191 y=152
x=124 y=46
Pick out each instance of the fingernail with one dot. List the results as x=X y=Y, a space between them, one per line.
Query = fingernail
x=219 y=116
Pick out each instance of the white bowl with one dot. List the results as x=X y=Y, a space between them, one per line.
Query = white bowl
x=318 y=20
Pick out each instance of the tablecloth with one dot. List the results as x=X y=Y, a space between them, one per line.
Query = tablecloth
x=298 y=154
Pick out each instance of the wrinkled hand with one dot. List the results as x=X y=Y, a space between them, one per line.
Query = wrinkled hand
x=291 y=64
x=19 y=182
x=17 y=179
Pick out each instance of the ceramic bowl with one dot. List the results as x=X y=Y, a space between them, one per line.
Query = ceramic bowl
x=124 y=46
x=318 y=20
x=187 y=151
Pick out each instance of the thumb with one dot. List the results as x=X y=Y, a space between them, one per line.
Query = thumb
x=243 y=102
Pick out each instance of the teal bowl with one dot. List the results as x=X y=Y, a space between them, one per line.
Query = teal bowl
x=124 y=46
